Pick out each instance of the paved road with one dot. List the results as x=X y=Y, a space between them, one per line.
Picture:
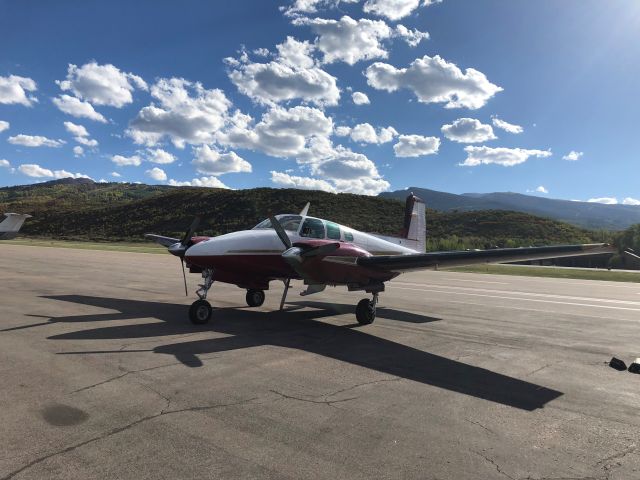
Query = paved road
x=462 y=376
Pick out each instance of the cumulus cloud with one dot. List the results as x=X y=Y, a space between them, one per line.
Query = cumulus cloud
x=630 y=201
x=395 y=9
x=365 y=133
x=434 y=80
x=468 y=130
x=78 y=151
x=211 y=182
x=541 y=189
x=5 y=163
x=77 y=108
x=115 y=174
x=416 y=146
x=573 y=156
x=290 y=76
x=507 y=157
x=360 y=98
x=13 y=90
x=80 y=134
x=304 y=183
x=156 y=174
x=605 y=200
x=101 y=84
x=36 y=171
x=212 y=162
x=506 y=126
x=412 y=37
x=186 y=112
x=311 y=6
x=160 y=156
x=122 y=161
x=4 y=125
x=348 y=40
x=35 y=141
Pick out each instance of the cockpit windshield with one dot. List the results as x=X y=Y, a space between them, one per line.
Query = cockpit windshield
x=288 y=222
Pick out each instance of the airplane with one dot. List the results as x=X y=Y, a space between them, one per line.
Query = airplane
x=319 y=252
x=11 y=225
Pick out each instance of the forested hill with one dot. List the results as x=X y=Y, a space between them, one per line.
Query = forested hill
x=81 y=209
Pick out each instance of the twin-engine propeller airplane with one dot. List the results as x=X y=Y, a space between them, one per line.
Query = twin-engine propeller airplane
x=321 y=253
x=11 y=225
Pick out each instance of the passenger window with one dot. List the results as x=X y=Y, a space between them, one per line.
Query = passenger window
x=333 y=231
x=348 y=237
x=312 y=228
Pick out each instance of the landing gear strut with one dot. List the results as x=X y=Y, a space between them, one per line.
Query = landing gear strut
x=366 y=310
x=200 y=310
x=255 y=298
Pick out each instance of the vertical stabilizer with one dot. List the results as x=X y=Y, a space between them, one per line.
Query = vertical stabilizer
x=415 y=225
x=11 y=225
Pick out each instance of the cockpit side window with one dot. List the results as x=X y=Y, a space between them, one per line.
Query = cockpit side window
x=348 y=237
x=288 y=222
x=333 y=231
x=312 y=228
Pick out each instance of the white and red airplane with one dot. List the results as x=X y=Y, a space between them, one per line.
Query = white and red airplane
x=322 y=253
x=11 y=225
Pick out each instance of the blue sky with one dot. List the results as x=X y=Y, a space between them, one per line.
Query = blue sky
x=261 y=93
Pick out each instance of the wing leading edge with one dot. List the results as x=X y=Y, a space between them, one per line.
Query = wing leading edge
x=432 y=260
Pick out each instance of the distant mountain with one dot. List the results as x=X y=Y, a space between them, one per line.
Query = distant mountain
x=582 y=214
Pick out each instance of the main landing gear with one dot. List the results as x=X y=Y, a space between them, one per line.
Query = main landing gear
x=255 y=298
x=200 y=310
x=366 y=310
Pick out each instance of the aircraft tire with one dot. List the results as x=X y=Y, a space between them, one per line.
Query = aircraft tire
x=365 y=312
x=255 y=298
x=200 y=312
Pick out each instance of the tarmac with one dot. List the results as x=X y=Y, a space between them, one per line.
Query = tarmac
x=462 y=376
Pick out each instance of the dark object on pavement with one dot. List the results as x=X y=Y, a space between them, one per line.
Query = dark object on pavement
x=635 y=366
x=618 y=364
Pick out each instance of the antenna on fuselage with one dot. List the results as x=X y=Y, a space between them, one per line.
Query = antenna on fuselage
x=305 y=210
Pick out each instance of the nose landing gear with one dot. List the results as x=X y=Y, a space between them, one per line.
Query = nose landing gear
x=201 y=310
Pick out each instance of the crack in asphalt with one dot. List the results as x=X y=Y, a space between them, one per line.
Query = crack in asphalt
x=329 y=403
x=607 y=465
x=481 y=426
x=492 y=462
x=117 y=430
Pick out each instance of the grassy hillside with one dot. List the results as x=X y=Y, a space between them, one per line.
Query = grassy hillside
x=82 y=210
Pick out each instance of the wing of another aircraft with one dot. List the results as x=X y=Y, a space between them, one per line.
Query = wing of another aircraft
x=432 y=260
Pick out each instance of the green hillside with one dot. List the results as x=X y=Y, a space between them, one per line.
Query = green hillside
x=83 y=210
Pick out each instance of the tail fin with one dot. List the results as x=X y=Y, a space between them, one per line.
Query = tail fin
x=10 y=227
x=415 y=226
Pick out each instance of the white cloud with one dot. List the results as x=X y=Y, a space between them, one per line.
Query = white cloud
x=211 y=182
x=360 y=98
x=160 y=156
x=541 y=189
x=36 y=171
x=4 y=125
x=434 y=80
x=212 y=162
x=13 y=90
x=78 y=151
x=295 y=54
x=115 y=174
x=573 y=156
x=348 y=40
x=605 y=200
x=156 y=174
x=77 y=108
x=283 y=79
x=35 y=141
x=311 y=6
x=101 y=84
x=305 y=183
x=5 y=163
x=630 y=201
x=186 y=113
x=365 y=133
x=80 y=134
x=412 y=37
x=122 y=161
x=468 y=130
x=395 y=9
x=343 y=131
x=506 y=126
x=416 y=146
x=507 y=157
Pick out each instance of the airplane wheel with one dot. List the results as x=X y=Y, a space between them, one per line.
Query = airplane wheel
x=255 y=298
x=200 y=312
x=365 y=312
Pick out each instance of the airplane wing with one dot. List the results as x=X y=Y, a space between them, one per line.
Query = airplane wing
x=164 y=241
x=433 y=260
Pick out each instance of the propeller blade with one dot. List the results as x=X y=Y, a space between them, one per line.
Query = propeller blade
x=322 y=250
x=189 y=233
x=280 y=231
x=184 y=276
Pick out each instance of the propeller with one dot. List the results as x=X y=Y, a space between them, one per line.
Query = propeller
x=280 y=231
x=179 y=249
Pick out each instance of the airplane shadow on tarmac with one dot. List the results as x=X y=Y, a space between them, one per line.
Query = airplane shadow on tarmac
x=300 y=328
